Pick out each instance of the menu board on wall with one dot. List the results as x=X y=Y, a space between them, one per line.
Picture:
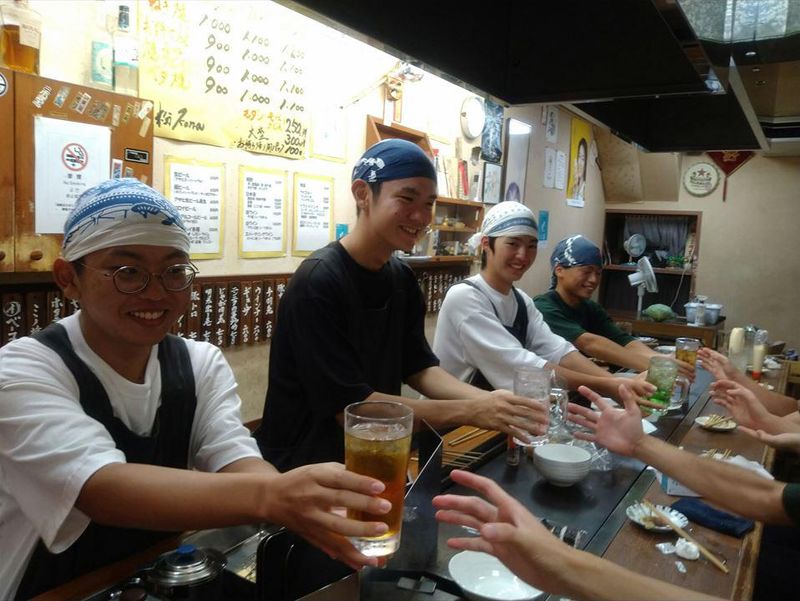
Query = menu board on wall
x=262 y=212
x=226 y=73
x=313 y=213
x=195 y=188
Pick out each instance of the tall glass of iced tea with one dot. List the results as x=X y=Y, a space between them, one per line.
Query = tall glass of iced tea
x=377 y=441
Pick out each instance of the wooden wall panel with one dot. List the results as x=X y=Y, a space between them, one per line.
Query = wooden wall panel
x=6 y=170
x=55 y=99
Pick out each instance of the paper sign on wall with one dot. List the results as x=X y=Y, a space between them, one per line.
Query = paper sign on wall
x=262 y=212
x=70 y=158
x=195 y=188
x=313 y=213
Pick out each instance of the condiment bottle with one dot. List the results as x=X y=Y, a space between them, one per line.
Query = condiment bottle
x=512 y=452
x=759 y=352
x=20 y=36
x=736 y=352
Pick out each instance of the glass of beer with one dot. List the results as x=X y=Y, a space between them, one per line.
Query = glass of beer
x=377 y=442
x=686 y=350
x=662 y=372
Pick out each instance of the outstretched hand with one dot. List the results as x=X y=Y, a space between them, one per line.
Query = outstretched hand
x=513 y=414
x=304 y=500
x=742 y=403
x=717 y=364
x=507 y=530
x=789 y=441
x=617 y=429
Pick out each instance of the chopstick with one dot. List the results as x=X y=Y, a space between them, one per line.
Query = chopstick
x=716 y=420
x=710 y=556
x=460 y=439
x=468 y=436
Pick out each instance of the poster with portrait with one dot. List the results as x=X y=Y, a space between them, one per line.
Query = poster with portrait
x=518 y=137
x=580 y=136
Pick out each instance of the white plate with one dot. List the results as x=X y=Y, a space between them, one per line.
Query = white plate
x=483 y=577
x=638 y=513
x=665 y=349
x=725 y=426
x=646 y=339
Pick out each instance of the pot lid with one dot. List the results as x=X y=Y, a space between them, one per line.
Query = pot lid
x=187 y=565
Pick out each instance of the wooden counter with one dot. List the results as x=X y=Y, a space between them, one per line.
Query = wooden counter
x=672 y=328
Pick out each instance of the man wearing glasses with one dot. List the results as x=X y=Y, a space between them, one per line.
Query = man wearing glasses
x=113 y=432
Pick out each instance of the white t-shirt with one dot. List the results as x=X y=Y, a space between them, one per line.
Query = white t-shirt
x=469 y=336
x=49 y=447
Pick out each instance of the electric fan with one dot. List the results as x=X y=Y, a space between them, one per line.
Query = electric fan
x=634 y=246
x=645 y=280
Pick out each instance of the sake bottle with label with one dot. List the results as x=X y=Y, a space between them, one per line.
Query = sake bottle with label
x=20 y=36
x=126 y=56
x=101 y=69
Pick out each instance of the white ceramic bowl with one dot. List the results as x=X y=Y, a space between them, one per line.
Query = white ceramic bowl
x=561 y=464
x=483 y=577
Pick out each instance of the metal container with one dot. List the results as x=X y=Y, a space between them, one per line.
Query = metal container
x=187 y=573
x=712 y=313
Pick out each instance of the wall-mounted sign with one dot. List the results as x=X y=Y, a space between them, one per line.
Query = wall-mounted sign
x=701 y=179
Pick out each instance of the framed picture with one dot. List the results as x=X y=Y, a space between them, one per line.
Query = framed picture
x=518 y=140
x=492 y=180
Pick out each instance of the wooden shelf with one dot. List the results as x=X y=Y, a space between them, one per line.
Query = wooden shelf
x=450 y=228
x=415 y=261
x=455 y=201
x=632 y=268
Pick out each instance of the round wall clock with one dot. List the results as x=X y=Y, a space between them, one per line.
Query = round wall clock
x=473 y=117
x=701 y=179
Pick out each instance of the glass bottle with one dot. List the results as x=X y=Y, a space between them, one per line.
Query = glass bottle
x=101 y=70
x=126 y=56
x=20 y=36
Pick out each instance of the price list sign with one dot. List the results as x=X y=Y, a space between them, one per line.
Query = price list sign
x=313 y=213
x=195 y=188
x=262 y=212
x=229 y=74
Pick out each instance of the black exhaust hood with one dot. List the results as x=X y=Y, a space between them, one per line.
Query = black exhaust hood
x=636 y=66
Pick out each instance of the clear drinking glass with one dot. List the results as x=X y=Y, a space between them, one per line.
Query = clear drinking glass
x=377 y=442
x=533 y=383
x=686 y=349
x=662 y=373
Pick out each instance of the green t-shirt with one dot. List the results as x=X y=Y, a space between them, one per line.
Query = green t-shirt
x=791 y=501
x=570 y=322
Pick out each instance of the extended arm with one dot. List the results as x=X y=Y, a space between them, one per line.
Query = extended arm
x=579 y=371
x=607 y=350
x=509 y=532
x=734 y=488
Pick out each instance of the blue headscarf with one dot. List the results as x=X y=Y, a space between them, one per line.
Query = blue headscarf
x=393 y=159
x=121 y=212
x=573 y=251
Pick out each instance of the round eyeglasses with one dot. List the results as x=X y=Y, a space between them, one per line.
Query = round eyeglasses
x=130 y=280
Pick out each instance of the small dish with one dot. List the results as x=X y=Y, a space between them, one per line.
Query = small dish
x=646 y=339
x=644 y=517
x=665 y=349
x=483 y=577
x=717 y=426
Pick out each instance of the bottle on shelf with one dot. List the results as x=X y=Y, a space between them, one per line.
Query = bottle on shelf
x=126 y=55
x=20 y=36
x=101 y=69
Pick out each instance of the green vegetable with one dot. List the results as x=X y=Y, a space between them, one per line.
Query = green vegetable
x=659 y=312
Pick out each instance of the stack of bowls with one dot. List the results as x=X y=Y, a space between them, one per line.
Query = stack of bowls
x=561 y=464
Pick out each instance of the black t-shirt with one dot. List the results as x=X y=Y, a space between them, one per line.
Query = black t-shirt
x=342 y=333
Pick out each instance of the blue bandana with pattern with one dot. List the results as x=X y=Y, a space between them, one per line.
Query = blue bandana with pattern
x=119 y=212
x=573 y=251
x=393 y=159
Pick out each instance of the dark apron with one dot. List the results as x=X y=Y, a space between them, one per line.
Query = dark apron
x=519 y=330
x=167 y=446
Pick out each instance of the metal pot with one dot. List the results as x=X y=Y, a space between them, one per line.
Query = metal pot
x=187 y=573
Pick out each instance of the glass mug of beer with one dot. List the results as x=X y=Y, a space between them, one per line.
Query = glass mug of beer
x=377 y=442
x=533 y=383
x=662 y=372
x=686 y=350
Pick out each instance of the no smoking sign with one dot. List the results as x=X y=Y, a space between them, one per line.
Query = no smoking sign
x=74 y=157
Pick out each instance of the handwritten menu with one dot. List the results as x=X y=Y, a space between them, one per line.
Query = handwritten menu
x=195 y=188
x=262 y=212
x=231 y=74
x=313 y=213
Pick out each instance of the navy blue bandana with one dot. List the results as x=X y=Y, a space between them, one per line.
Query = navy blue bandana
x=573 y=251
x=393 y=159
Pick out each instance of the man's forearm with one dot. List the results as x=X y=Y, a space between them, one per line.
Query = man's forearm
x=734 y=488
x=611 y=352
x=577 y=362
x=586 y=576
